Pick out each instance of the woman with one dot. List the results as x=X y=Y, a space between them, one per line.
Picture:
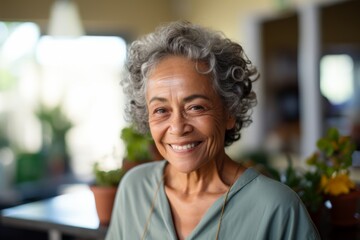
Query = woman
x=192 y=88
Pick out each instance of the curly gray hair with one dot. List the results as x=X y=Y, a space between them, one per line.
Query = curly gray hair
x=231 y=70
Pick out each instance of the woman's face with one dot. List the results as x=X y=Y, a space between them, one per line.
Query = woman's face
x=186 y=116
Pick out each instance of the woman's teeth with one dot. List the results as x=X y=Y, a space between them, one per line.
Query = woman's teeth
x=183 y=147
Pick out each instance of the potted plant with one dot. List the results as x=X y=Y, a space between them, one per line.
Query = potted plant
x=139 y=148
x=104 y=189
x=328 y=179
x=331 y=164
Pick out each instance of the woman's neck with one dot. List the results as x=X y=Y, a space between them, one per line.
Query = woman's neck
x=213 y=177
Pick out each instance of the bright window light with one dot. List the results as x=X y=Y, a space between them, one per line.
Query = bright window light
x=85 y=51
x=17 y=85
x=336 y=78
x=20 y=42
x=82 y=75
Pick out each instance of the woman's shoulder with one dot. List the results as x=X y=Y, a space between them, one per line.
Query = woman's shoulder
x=275 y=206
x=146 y=172
x=270 y=189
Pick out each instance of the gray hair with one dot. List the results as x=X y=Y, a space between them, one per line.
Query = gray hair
x=232 y=72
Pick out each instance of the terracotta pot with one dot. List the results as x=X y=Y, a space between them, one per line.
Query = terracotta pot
x=344 y=209
x=104 y=201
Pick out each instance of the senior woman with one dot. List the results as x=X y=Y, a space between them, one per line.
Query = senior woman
x=192 y=88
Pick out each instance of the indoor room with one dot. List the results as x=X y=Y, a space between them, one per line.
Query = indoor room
x=64 y=136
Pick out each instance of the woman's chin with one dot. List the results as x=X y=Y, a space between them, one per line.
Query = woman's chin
x=185 y=166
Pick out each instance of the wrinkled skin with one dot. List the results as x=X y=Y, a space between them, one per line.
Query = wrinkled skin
x=186 y=115
x=188 y=122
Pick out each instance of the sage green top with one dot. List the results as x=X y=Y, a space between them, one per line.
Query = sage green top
x=257 y=208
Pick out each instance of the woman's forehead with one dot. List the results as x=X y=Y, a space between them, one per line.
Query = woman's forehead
x=178 y=75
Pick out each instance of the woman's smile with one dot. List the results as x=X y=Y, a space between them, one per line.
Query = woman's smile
x=184 y=147
x=186 y=116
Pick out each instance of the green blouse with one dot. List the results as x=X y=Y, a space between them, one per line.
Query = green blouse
x=257 y=208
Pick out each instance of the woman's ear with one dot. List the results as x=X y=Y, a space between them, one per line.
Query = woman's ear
x=230 y=123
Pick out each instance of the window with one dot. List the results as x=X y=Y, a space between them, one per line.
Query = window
x=336 y=82
x=49 y=85
x=337 y=86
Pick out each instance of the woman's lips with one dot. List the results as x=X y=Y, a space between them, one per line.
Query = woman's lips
x=184 y=147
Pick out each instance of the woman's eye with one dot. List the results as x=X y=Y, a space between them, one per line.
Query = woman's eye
x=160 y=111
x=197 y=108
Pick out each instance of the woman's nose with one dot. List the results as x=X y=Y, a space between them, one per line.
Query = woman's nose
x=179 y=125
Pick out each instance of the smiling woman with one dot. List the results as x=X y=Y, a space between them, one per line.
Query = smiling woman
x=186 y=117
x=192 y=89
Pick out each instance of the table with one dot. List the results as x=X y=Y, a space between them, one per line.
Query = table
x=72 y=214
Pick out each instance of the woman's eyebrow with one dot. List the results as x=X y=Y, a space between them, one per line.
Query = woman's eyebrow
x=160 y=99
x=195 y=96
x=187 y=99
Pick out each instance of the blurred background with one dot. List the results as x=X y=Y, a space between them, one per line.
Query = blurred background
x=60 y=67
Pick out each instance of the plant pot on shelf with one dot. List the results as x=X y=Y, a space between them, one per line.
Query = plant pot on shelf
x=104 y=201
x=344 y=209
x=104 y=190
x=332 y=161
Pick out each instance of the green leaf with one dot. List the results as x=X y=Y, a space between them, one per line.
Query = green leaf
x=333 y=134
x=107 y=178
x=137 y=145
